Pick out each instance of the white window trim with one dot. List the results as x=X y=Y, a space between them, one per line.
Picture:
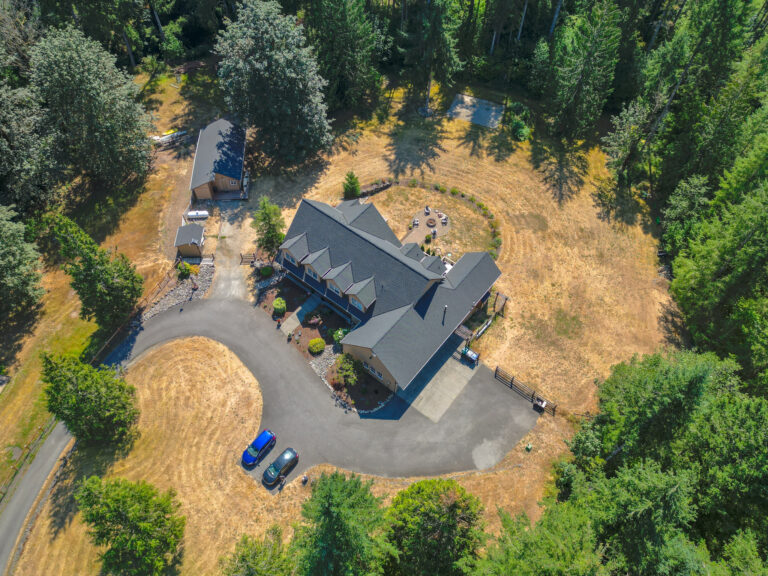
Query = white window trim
x=233 y=182
x=333 y=288
x=356 y=303
x=289 y=258
x=311 y=273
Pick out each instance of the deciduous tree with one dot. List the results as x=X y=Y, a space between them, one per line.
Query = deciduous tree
x=266 y=557
x=19 y=267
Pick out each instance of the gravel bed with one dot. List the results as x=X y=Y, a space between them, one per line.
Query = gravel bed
x=322 y=363
x=183 y=292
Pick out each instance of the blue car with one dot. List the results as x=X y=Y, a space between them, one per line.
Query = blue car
x=259 y=447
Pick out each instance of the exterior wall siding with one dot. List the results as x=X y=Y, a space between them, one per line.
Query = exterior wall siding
x=190 y=250
x=222 y=183
x=364 y=355
x=204 y=192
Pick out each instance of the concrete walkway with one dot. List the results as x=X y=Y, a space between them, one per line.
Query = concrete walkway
x=294 y=320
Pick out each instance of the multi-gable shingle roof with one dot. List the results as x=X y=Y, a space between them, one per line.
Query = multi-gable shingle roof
x=413 y=301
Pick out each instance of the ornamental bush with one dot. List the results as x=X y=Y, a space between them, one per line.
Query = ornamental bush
x=348 y=370
x=316 y=346
x=184 y=270
x=278 y=306
x=266 y=271
x=339 y=334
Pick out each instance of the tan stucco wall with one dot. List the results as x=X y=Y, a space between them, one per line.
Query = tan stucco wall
x=364 y=355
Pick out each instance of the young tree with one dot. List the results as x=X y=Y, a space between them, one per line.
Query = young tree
x=268 y=221
x=348 y=48
x=686 y=207
x=140 y=527
x=343 y=533
x=19 y=267
x=270 y=79
x=268 y=557
x=108 y=285
x=90 y=106
x=435 y=526
x=96 y=405
x=431 y=47
x=351 y=186
x=585 y=57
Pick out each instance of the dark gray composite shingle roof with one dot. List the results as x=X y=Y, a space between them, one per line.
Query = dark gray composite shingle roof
x=220 y=150
x=409 y=320
x=366 y=217
x=189 y=234
x=320 y=261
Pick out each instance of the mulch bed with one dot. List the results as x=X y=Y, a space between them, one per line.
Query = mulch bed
x=293 y=295
x=320 y=323
x=365 y=395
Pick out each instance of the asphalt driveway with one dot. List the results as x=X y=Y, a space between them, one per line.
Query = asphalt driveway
x=482 y=424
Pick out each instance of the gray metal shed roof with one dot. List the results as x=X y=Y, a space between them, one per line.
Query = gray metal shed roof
x=189 y=234
x=220 y=150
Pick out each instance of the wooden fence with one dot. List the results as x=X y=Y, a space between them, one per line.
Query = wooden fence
x=525 y=391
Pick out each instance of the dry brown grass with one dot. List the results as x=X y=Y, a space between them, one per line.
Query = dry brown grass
x=145 y=234
x=468 y=231
x=195 y=419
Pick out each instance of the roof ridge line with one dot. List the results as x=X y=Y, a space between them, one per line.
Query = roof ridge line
x=362 y=234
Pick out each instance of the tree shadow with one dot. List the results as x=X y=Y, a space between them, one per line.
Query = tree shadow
x=80 y=464
x=16 y=326
x=476 y=139
x=414 y=144
x=562 y=164
x=673 y=326
x=98 y=208
x=618 y=204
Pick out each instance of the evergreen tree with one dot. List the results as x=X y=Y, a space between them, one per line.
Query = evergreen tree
x=348 y=48
x=268 y=221
x=430 y=51
x=90 y=105
x=19 y=267
x=140 y=527
x=351 y=186
x=108 y=285
x=686 y=207
x=585 y=57
x=435 y=526
x=267 y=557
x=96 y=405
x=342 y=535
x=271 y=80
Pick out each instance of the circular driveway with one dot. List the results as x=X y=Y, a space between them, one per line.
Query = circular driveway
x=483 y=423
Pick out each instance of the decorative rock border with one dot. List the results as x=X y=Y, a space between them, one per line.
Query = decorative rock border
x=183 y=291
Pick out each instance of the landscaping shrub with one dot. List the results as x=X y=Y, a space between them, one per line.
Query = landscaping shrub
x=496 y=242
x=493 y=254
x=348 y=370
x=454 y=191
x=266 y=271
x=428 y=238
x=278 y=306
x=412 y=183
x=436 y=186
x=339 y=334
x=194 y=269
x=316 y=346
x=184 y=270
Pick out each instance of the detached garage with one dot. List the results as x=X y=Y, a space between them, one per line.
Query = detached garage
x=189 y=240
x=219 y=159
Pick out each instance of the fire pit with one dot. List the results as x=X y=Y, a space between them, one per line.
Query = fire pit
x=431 y=222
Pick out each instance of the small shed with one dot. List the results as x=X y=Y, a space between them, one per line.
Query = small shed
x=189 y=240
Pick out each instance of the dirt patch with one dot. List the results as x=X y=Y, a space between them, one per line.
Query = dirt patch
x=368 y=394
x=293 y=295
x=195 y=420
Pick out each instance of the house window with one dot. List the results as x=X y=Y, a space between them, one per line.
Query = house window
x=311 y=273
x=289 y=258
x=233 y=182
x=334 y=289
x=357 y=304
x=365 y=365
